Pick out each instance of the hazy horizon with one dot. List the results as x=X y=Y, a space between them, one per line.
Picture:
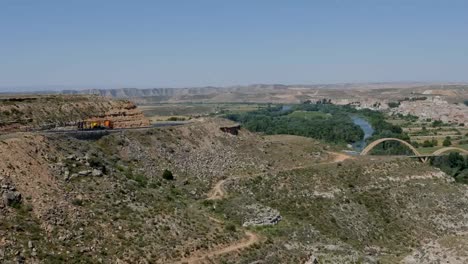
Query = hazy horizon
x=59 y=88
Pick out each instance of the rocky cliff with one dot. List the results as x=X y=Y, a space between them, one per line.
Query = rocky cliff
x=23 y=113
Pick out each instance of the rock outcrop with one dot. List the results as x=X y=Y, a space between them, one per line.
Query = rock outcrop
x=11 y=197
x=125 y=114
x=260 y=215
x=41 y=112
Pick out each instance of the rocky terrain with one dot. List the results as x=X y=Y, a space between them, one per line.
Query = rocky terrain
x=27 y=112
x=434 y=108
x=106 y=200
x=196 y=194
x=360 y=211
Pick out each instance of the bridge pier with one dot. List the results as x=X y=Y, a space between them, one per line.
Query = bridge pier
x=424 y=159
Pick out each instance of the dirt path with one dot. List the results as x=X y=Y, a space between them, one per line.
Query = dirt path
x=251 y=239
x=339 y=157
x=218 y=192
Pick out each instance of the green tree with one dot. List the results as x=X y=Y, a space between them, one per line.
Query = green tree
x=456 y=160
x=167 y=174
x=447 y=142
x=427 y=144
x=437 y=123
x=393 y=104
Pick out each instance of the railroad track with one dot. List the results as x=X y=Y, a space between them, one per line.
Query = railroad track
x=115 y=130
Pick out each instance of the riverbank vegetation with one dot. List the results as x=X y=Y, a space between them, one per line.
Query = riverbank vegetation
x=331 y=123
x=325 y=122
x=384 y=129
x=453 y=164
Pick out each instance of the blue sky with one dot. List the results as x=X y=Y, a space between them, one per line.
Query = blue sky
x=176 y=43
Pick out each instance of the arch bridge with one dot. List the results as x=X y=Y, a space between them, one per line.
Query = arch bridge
x=423 y=157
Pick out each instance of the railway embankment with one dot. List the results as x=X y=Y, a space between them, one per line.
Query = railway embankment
x=43 y=112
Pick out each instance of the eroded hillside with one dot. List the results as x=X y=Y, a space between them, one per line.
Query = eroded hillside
x=361 y=211
x=23 y=113
x=106 y=200
x=196 y=194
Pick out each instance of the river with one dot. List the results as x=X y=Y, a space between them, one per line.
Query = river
x=368 y=132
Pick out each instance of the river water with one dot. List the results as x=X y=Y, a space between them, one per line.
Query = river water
x=368 y=132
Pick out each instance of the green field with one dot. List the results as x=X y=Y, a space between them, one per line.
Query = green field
x=424 y=130
x=164 y=111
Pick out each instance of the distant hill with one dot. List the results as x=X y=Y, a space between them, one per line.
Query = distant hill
x=276 y=93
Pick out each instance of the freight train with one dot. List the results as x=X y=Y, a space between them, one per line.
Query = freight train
x=95 y=125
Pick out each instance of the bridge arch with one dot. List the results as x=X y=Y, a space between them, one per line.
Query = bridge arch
x=369 y=147
x=446 y=149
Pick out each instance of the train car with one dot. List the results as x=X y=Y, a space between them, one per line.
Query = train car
x=95 y=125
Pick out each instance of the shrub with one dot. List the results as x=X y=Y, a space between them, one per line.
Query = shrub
x=167 y=174
x=447 y=142
x=141 y=179
x=176 y=118
x=77 y=202
x=427 y=144
x=393 y=104
x=230 y=228
x=437 y=123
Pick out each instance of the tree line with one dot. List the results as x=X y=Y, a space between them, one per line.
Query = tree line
x=454 y=165
x=335 y=126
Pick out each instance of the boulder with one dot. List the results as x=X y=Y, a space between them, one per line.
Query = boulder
x=84 y=172
x=132 y=182
x=260 y=215
x=66 y=174
x=74 y=175
x=96 y=173
x=11 y=198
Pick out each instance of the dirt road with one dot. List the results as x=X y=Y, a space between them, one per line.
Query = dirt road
x=251 y=238
x=339 y=157
x=218 y=192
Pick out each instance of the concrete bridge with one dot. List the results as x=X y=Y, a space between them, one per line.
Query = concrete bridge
x=423 y=157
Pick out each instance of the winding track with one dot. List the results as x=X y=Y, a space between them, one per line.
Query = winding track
x=218 y=192
x=251 y=239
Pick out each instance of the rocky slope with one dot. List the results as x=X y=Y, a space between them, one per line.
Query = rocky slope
x=361 y=211
x=22 y=113
x=142 y=197
x=85 y=201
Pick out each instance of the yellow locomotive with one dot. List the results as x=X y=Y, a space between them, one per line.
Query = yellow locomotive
x=95 y=125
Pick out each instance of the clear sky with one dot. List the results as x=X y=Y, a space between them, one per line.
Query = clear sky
x=176 y=43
